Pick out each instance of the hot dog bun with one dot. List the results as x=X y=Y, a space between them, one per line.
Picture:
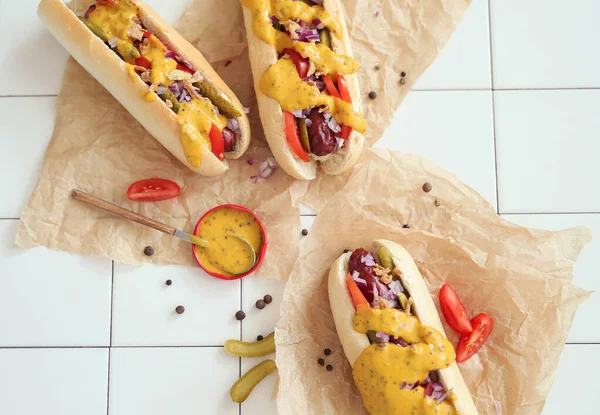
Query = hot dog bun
x=263 y=55
x=111 y=71
x=354 y=342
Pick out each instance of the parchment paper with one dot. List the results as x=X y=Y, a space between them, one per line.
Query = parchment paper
x=99 y=148
x=519 y=276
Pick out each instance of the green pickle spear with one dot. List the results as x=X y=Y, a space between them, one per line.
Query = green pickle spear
x=97 y=30
x=303 y=131
x=325 y=37
x=225 y=107
x=169 y=96
x=241 y=389
x=260 y=348
x=385 y=258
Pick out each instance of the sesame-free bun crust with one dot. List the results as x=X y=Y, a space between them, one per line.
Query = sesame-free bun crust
x=111 y=71
x=263 y=55
x=354 y=343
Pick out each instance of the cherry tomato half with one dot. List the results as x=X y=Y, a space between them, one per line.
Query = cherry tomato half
x=300 y=62
x=217 y=142
x=469 y=344
x=330 y=86
x=153 y=190
x=293 y=136
x=454 y=311
x=143 y=61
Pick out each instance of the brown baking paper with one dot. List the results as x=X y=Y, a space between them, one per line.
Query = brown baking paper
x=519 y=276
x=99 y=148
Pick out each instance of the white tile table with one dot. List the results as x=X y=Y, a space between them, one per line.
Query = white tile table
x=510 y=106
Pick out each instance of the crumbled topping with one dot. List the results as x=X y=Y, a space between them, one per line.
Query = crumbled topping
x=380 y=303
x=291 y=27
x=187 y=84
x=135 y=31
x=383 y=274
x=396 y=272
x=311 y=68
x=145 y=75
x=408 y=305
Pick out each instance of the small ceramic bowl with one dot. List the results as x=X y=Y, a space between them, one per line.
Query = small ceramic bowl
x=259 y=255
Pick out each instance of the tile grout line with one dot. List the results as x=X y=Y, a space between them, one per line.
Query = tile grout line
x=241 y=338
x=493 y=107
x=112 y=293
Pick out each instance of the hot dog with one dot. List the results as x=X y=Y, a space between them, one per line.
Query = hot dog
x=162 y=80
x=392 y=335
x=306 y=84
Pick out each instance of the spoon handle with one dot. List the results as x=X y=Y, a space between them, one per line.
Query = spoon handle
x=119 y=211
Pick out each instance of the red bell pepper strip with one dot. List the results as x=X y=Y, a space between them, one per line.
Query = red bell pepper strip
x=293 y=136
x=217 y=143
x=330 y=86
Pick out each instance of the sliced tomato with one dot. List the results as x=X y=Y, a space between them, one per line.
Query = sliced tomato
x=143 y=61
x=217 y=142
x=147 y=34
x=454 y=311
x=301 y=63
x=90 y=10
x=106 y=2
x=358 y=298
x=342 y=87
x=182 y=67
x=345 y=133
x=469 y=344
x=293 y=136
x=330 y=86
x=153 y=190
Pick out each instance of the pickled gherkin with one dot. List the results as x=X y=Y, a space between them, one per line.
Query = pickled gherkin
x=251 y=349
x=97 y=30
x=169 y=96
x=241 y=389
x=385 y=258
x=214 y=95
x=303 y=131
x=325 y=37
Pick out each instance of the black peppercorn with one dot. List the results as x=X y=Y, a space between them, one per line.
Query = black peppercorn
x=259 y=337
x=304 y=232
x=427 y=187
x=372 y=95
x=329 y=368
x=402 y=74
x=268 y=299
x=377 y=67
x=180 y=309
x=327 y=352
x=321 y=362
x=169 y=282
x=346 y=251
x=260 y=304
x=406 y=226
x=148 y=251
x=240 y=315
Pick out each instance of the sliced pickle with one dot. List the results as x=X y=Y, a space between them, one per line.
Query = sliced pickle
x=372 y=336
x=303 y=131
x=97 y=30
x=169 y=96
x=385 y=258
x=127 y=50
x=260 y=348
x=225 y=107
x=241 y=389
x=325 y=37
x=403 y=300
x=434 y=376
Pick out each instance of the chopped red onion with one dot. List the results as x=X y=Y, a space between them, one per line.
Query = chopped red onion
x=297 y=113
x=409 y=386
x=246 y=110
x=308 y=122
x=437 y=386
x=307 y=35
x=176 y=87
x=390 y=295
x=360 y=282
x=429 y=390
x=368 y=260
x=391 y=303
x=340 y=142
x=396 y=287
x=113 y=42
x=251 y=162
x=233 y=124
x=381 y=335
x=266 y=168
x=274 y=19
x=171 y=55
x=375 y=290
x=187 y=64
x=355 y=275
x=320 y=85
x=161 y=89
x=318 y=24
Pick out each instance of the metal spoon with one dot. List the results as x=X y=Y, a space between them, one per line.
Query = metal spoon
x=215 y=248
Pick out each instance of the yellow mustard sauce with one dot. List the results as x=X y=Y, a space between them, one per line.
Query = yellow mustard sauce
x=227 y=221
x=194 y=117
x=379 y=371
x=281 y=81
